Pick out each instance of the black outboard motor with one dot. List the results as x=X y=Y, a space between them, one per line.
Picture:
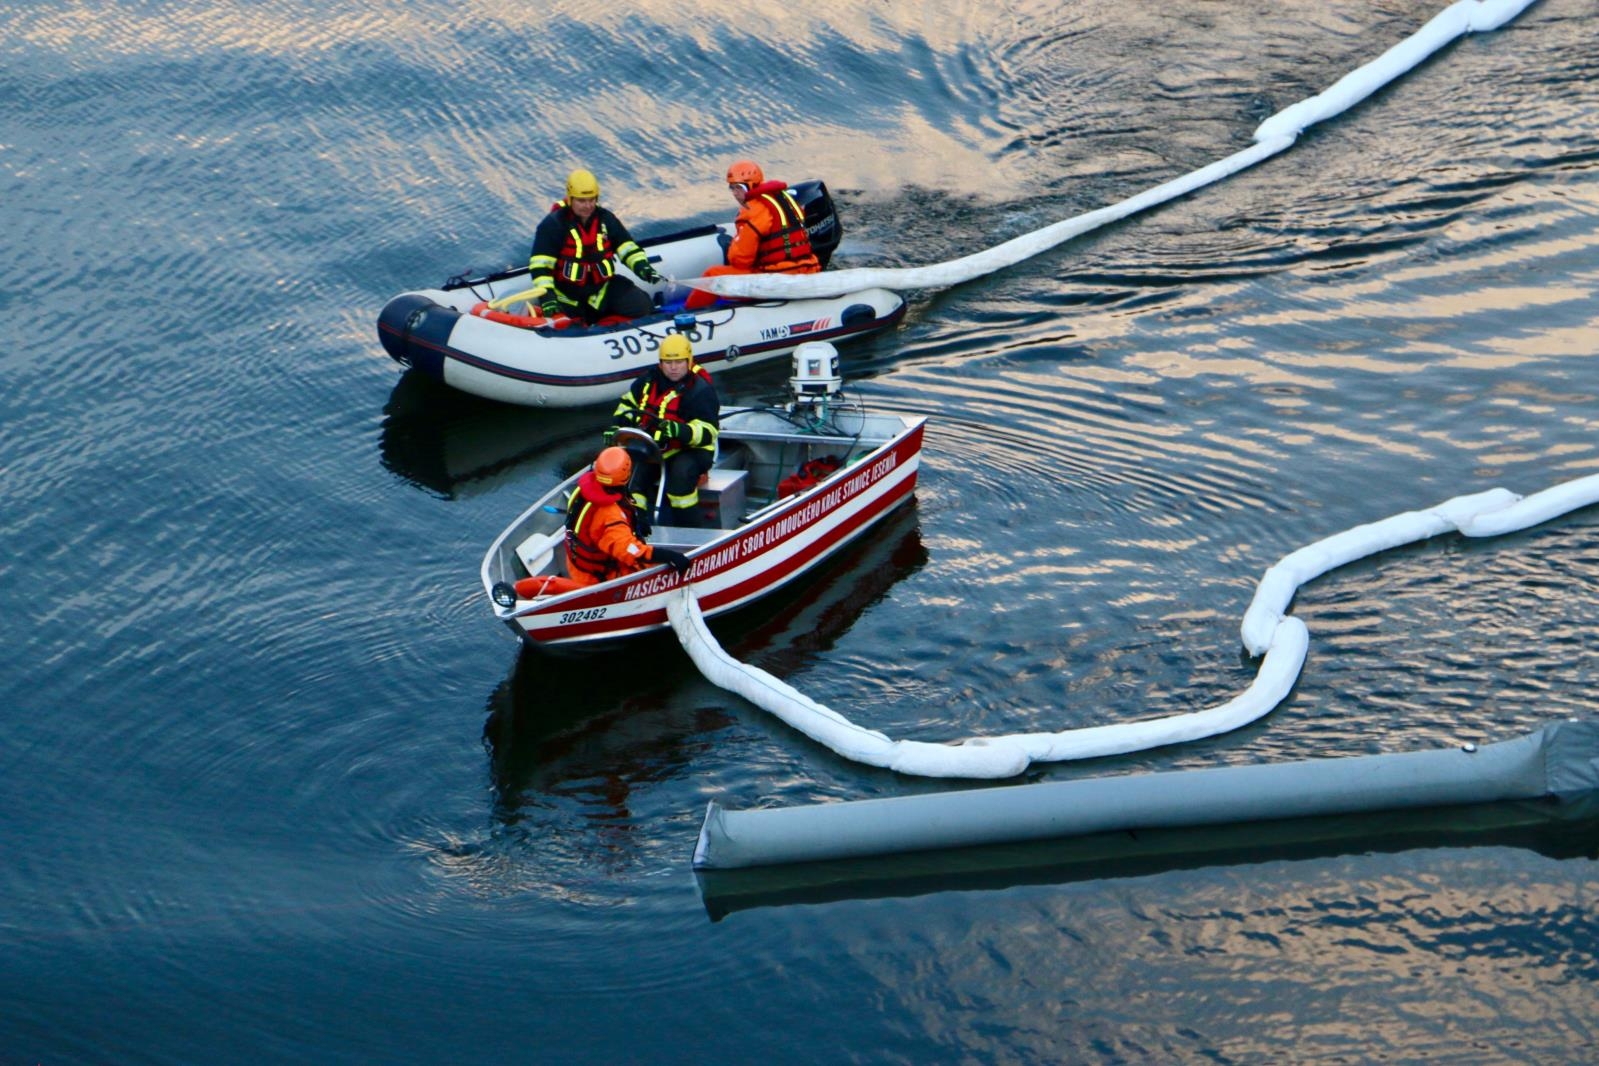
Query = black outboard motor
x=821 y=218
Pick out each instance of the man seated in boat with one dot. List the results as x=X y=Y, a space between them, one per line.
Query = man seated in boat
x=603 y=526
x=769 y=233
x=675 y=403
x=575 y=251
x=604 y=535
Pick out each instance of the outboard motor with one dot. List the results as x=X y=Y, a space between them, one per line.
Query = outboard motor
x=821 y=218
x=815 y=377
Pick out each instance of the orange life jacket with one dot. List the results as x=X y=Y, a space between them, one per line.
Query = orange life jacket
x=591 y=511
x=787 y=247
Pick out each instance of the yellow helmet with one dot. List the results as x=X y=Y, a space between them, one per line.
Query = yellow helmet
x=582 y=185
x=612 y=467
x=675 y=347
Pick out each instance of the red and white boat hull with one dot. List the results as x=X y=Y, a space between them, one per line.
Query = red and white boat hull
x=784 y=541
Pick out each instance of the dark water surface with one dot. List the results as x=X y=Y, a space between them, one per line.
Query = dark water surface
x=276 y=788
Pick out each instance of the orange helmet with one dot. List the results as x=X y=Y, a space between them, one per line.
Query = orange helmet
x=612 y=468
x=745 y=173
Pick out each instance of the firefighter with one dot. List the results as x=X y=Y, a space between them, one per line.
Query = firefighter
x=603 y=528
x=575 y=251
x=769 y=233
x=676 y=403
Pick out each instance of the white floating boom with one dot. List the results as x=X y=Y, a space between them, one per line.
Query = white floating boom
x=1274 y=135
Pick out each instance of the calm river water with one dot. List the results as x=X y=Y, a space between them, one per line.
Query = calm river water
x=276 y=788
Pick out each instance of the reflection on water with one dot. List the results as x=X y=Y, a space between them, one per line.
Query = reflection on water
x=453 y=444
x=580 y=745
x=555 y=715
x=567 y=722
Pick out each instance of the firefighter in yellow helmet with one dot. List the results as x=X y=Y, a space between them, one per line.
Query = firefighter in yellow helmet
x=769 y=234
x=675 y=402
x=602 y=526
x=576 y=249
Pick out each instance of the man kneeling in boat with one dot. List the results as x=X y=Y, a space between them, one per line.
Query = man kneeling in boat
x=675 y=403
x=575 y=250
x=769 y=234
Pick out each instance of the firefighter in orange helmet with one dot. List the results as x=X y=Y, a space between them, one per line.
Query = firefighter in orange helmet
x=769 y=234
x=602 y=539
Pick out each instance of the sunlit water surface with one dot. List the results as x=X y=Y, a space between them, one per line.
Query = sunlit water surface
x=276 y=788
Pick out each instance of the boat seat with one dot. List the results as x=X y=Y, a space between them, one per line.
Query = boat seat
x=733 y=457
x=682 y=538
x=722 y=495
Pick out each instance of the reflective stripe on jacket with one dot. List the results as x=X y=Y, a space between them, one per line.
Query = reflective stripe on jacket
x=770 y=233
x=577 y=258
x=653 y=399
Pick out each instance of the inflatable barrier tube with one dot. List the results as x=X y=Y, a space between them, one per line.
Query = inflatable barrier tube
x=1556 y=831
x=1560 y=760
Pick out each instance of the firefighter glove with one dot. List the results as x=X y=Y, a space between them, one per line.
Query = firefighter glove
x=675 y=559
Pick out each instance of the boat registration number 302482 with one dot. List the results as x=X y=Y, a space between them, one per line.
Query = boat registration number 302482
x=581 y=616
x=639 y=341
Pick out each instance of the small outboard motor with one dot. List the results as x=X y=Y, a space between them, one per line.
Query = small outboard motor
x=821 y=218
x=815 y=376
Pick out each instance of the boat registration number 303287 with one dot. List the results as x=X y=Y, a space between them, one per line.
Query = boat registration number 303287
x=581 y=616
x=639 y=341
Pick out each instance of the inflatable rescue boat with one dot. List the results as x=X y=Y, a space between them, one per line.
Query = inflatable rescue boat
x=486 y=336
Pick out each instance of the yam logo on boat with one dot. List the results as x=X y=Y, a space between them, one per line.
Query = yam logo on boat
x=794 y=329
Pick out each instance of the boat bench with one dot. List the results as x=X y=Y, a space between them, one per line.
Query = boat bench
x=721 y=509
x=722 y=497
x=683 y=538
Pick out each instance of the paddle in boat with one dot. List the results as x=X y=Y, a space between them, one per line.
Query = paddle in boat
x=486 y=335
x=790 y=486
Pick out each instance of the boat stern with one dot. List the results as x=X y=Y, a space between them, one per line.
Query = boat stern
x=415 y=330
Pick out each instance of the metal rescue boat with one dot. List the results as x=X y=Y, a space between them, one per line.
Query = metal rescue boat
x=484 y=335
x=758 y=539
